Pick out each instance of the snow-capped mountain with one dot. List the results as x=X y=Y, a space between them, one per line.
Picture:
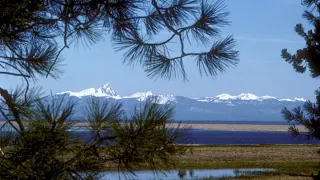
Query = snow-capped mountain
x=105 y=91
x=245 y=97
x=242 y=107
x=142 y=96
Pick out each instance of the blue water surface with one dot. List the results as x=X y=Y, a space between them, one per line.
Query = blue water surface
x=174 y=174
x=217 y=137
x=214 y=137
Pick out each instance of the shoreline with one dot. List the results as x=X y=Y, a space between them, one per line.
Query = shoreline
x=221 y=127
x=226 y=127
x=243 y=127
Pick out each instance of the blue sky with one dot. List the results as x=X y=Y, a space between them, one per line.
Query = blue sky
x=261 y=28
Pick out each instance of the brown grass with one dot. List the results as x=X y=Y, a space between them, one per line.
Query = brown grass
x=294 y=162
x=276 y=177
x=263 y=153
x=303 y=157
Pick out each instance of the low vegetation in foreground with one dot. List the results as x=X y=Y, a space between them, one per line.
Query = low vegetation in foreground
x=291 y=161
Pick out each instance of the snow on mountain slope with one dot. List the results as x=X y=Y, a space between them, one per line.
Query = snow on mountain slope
x=245 y=106
x=293 y=100
x=142 y=96
x=266 y=97
x=105 y=91
x=225 y=97
x=245 y=97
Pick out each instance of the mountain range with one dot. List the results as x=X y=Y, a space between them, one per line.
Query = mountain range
x=223 y=107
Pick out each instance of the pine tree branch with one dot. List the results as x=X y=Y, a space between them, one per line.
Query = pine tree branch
x=15 y=74
x=55 y=60
x=9 y=101
x=8 y=120
x=154 y=3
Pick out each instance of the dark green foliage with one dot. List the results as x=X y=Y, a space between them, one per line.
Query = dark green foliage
x=308 y=57
x=151 y=121
x=45 y=149
x=102 y=117
x=36 y=151
x=29 y=33
x=308 y=116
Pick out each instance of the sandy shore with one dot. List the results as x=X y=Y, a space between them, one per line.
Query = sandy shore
x=243 y=127
x=227 y=127
x=230 y=127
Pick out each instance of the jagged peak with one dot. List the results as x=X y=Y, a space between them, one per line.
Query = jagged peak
x=104 y=91
x=107 y=91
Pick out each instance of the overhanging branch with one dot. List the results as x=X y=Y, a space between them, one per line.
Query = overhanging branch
x=15 y=74
x=9 y=101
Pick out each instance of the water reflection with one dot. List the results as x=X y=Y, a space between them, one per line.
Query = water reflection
x=185 y=174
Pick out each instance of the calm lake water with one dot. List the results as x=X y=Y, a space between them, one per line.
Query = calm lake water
x=186 y=174
x=215 y=137
x=210 y=137
x=236 y=122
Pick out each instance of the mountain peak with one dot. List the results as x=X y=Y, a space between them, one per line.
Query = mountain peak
x=107 y=91
x=225 y=96
x=267 y=97
x=247 y=96
x=162 y=99
x=104 y=91
x=242 y=96
x=107 y=85
x=245 y=106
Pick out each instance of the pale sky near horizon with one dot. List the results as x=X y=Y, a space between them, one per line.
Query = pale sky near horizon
x=261 y=28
